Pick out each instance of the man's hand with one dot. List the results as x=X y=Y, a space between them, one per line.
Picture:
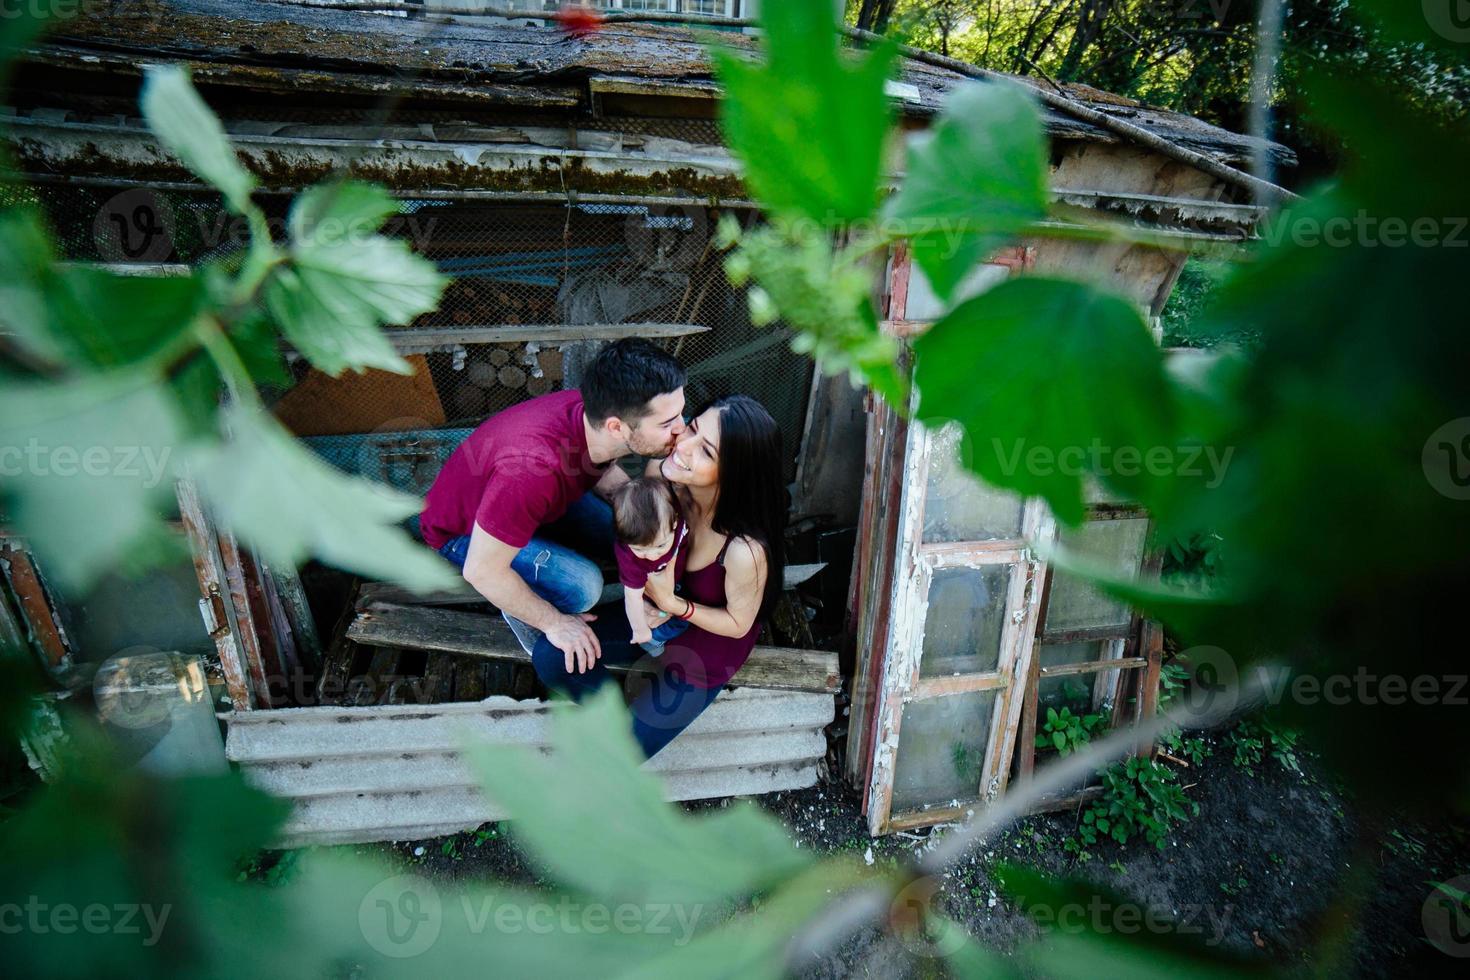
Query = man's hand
x=573 y=637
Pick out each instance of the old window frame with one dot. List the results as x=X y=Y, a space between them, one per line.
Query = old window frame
x=896 y=571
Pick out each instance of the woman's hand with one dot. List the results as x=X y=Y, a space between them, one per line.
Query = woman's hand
x=655 y=616
x=659 y=590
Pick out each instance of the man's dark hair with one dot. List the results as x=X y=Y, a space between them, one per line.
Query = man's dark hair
x=624 y=377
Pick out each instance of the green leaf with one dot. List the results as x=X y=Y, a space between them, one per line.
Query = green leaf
x=345 y=281
x=87 y=464
x=825 y=295
x=728 y=853
x=808 y=124
x=26 y=274
x=973 y=182
x=1051 y=379
x=191 y=131
x=82 y=313
x=1059 y=739
x=284 y=501
x=755 y=945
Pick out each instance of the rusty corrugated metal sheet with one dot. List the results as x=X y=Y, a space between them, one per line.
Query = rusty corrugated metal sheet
x=393 y=772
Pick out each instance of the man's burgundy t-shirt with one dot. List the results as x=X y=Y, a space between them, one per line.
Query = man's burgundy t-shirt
x=520 y=469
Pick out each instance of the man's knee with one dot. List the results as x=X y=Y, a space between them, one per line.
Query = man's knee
x=585 y=588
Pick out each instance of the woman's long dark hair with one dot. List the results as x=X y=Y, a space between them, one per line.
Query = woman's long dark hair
x=752 y=497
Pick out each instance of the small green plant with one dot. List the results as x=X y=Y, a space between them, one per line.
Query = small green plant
x=1066 y=732
x=1252 y=740
x=1405 y=846
x=1140 y=797
x=485 y=834
x=1282 y=742
x=1193 y=750
x=1249 y=744
x=1173 y=678
x=1233 y=889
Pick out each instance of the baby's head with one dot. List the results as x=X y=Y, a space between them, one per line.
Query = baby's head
x=644 y=517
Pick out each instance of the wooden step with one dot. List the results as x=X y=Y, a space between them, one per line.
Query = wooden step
x=383 y=624
x=463 y=594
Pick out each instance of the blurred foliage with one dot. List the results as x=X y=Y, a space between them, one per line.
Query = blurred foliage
x=1341 y=551
x=1336 y=540
x=84 y=380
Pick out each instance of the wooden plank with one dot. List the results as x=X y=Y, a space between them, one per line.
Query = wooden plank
x=1152 y=645
x=35 y=605
x=12 y=634
x=439 y=678
x=374 y=686
x=1088 y=634
x=219 y=615
x=261 y=659
x=469 y=678
x=292 y=596
x=373 y=401
x=432 y=338
x=480 y=635
x=937 y=687
x=374 y=593
x=1093 y=667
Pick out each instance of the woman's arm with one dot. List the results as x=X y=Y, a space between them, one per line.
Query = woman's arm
x=745 y=581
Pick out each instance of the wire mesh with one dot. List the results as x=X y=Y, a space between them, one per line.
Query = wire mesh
x=511 y=265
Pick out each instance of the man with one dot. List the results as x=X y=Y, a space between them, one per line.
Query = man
x=511 y=505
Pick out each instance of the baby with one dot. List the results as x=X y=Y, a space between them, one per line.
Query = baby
x=650 y=531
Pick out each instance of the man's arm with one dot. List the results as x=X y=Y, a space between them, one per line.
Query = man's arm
x=487 y=568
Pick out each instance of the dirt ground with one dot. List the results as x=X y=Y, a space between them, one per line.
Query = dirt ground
x=1275 y=863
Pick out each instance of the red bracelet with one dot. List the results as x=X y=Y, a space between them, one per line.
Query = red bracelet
x=687 y=612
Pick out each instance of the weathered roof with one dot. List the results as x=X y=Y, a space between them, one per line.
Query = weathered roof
x=269 y=46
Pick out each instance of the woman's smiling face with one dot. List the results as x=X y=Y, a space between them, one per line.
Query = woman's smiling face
x=695 y=461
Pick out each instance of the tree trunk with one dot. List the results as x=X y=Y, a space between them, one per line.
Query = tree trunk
x=873 y=15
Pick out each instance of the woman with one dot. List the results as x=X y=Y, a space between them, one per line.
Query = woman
x=727 y=472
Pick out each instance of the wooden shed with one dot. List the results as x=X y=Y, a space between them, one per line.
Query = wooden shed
x=570 y=186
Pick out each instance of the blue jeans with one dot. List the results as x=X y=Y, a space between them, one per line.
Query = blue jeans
x=662 y=634
x=660 y=711
x=560 y=563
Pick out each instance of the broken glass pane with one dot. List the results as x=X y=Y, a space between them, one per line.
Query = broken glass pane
x=941 y=750
x=966 y=617
x=1114 y=547
x=958 y=506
